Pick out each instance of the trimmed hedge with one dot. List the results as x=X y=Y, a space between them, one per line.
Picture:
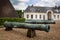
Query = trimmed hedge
x=2 y=20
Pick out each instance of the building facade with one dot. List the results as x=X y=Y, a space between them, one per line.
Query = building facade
x=42 y=13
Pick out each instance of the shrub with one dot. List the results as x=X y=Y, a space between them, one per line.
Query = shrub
x=2 y=20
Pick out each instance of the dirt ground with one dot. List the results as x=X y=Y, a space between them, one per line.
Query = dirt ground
x=20 y=34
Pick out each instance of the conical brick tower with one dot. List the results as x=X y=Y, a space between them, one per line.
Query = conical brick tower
x=7 y=10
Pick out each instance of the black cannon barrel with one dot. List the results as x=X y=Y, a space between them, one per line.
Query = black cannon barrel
x=43 y=27
x=40 y=21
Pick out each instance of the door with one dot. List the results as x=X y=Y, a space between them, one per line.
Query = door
x=49 y=15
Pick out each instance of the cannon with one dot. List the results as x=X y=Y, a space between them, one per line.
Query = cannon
x=40 y=21
x=27 y=26
x=31 y=25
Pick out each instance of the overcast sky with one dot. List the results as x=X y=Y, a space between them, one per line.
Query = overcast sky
x=22 y=4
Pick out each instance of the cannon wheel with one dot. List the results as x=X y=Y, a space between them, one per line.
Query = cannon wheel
x=31 y=33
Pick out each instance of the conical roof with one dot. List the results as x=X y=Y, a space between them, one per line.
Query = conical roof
x=7 y=10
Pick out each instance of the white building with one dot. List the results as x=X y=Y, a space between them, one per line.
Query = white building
x=42 y=13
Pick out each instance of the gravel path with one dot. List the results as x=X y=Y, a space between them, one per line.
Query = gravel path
x=20 y=34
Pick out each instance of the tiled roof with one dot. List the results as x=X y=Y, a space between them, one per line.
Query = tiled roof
x=7 y=10
x=41 y=9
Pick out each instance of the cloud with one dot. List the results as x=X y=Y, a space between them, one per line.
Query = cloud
x=48 y=0
x=20 y=6
x=49 y=3
x=23 y=0
x=15 y=2
x=58 y=3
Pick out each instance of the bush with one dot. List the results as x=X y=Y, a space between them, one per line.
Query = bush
x=2 y=20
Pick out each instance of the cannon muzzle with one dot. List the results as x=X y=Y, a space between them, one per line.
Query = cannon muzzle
x=42 y=27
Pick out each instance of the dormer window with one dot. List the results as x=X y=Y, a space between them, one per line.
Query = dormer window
x=32 y=9
x=57 y=10
x=38 y=10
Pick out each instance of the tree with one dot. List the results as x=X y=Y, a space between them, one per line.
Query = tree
x=20 y=13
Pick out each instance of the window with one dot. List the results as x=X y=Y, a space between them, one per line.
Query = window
x=31 y=16
x=54 y=16
x=32 y=9
x=40 y=16
x=58 y=16
x=27 y=16
x=43 y=17
x=35 y=16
